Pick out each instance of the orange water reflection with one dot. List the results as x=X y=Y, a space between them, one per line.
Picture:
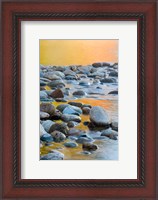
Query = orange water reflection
x=81 y=52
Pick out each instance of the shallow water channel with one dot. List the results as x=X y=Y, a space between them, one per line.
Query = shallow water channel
x=97 y=95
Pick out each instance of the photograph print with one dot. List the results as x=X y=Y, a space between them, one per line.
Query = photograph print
x=78 y=99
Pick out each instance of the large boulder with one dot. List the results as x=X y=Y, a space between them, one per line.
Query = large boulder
x=99 y=116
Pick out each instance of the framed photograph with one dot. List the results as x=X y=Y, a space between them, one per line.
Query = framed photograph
x=79 y=100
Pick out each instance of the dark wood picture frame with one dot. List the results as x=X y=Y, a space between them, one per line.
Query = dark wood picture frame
x=144 y=187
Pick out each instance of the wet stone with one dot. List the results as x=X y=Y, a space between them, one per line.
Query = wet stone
x=53 y=155
x=58 y=93
x=70 y=111
x=75 y=132
x=47 y=107
x=60 y=100
x=47 y=124
x=67 y=118
x=44 y=115
x=71 y=124
x=70 y=144
x=56 y=84
x=78 y=104
x=79 y=93
x=47 y=137
x=115 y=74
x=62 y=127
x=86 y=110
x=89 y=146
x=113 y=92
x=99 y=116
x=114 y=125
x=58 y=136
x=108 y=80
x=42 y=130
x=84 y=139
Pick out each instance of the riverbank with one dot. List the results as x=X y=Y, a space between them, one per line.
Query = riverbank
x=79 y=112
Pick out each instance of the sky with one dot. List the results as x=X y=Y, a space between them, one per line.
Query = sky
x=77 y=52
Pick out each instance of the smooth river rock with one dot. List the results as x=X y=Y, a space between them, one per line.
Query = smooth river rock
x=89 y=146
x=108 y=80
x=70 y=144
x=110 y=134
x=79 y=93
x=43 y=95
x=115 y=74
x=58 y=93
x=46 y=138
x=70 y=111
x=42 y=130
x=48 y=108
x=58 y=136
x=99 y=116
x=51 y=76
x=61 y=107
x=114 y=125
x=78 y=104
x=54 y=155
x=67 y=118
x=86 y=110
x=84 y=138
x=44 y=115
x=56 y=84
x=47 y=124
x=113 y=92
x=62 y=127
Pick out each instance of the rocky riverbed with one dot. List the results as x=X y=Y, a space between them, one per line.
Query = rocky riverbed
x=79 y=112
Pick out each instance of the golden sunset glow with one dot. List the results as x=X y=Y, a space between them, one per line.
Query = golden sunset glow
x=79 y=52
